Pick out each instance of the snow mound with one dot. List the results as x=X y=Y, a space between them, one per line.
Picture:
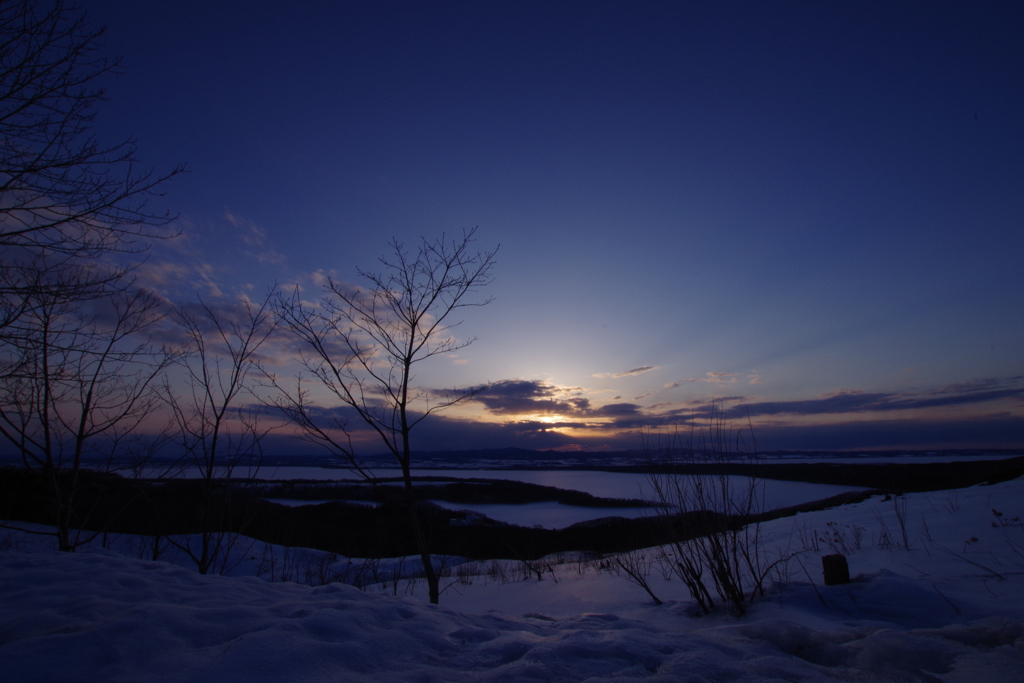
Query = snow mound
x=100 y=616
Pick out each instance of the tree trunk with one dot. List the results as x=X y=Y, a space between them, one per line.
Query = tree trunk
x=421 y=541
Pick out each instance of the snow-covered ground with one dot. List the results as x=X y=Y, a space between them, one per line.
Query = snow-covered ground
x=948 y=608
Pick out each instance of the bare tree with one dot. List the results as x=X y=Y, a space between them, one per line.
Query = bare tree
x=76 y=383
x=62 y=191
x=67 y=200
x=75 y=367
x=216 y=435
x=362 y=343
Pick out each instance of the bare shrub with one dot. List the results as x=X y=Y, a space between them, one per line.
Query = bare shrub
x=899 y=507
x=465 y=573
x=716 y=543
x=635 y=566
x=842 y=538
x=809 y=538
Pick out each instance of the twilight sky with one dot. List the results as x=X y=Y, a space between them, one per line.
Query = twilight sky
x=810 y=211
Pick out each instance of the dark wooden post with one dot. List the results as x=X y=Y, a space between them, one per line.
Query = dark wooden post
x=836 y=569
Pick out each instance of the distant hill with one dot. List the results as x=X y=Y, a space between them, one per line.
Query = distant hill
x=522 y=458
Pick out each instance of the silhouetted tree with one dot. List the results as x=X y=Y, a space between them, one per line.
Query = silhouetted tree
x=66 y=199
x=77 y=383
x=362 y=343
x=76 y=368
x=216 y=434
x=61 y=190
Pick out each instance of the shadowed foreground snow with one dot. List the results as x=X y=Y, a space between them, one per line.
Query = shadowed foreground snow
x=948 y=609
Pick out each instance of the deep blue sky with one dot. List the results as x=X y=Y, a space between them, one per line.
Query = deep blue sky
x=812 y=210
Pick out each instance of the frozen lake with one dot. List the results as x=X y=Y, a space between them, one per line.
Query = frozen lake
x=553 y=515
x=548 y=514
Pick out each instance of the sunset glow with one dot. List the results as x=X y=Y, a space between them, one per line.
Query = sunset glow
x=805 y=215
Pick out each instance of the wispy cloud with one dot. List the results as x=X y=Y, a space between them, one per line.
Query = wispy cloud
x=963 y=393
x=178 y=278
x=979 y=385
x=255 y=238
x=182 y=266
x=713 y=377
x=626 y=373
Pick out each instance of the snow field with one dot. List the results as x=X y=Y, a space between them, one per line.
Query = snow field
x=948 y=608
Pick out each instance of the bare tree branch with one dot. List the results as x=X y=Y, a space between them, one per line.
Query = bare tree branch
x=74 y=382
x=62 y=191
x=362 y=345
x=215 y=434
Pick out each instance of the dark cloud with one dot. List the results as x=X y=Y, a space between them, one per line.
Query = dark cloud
x=617 y=410
x=523 y=397
x=531 y=397
x=519 y=388
x=328 y=418
x=505 y=398
x=978 y=385
x=937 y=401
x=841 y=403
x=438 y=432
x=441 y=432
x=993 y=431
x=977 y=391
x=618 y=425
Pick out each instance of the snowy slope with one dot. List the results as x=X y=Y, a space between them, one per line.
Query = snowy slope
x=949 y=608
